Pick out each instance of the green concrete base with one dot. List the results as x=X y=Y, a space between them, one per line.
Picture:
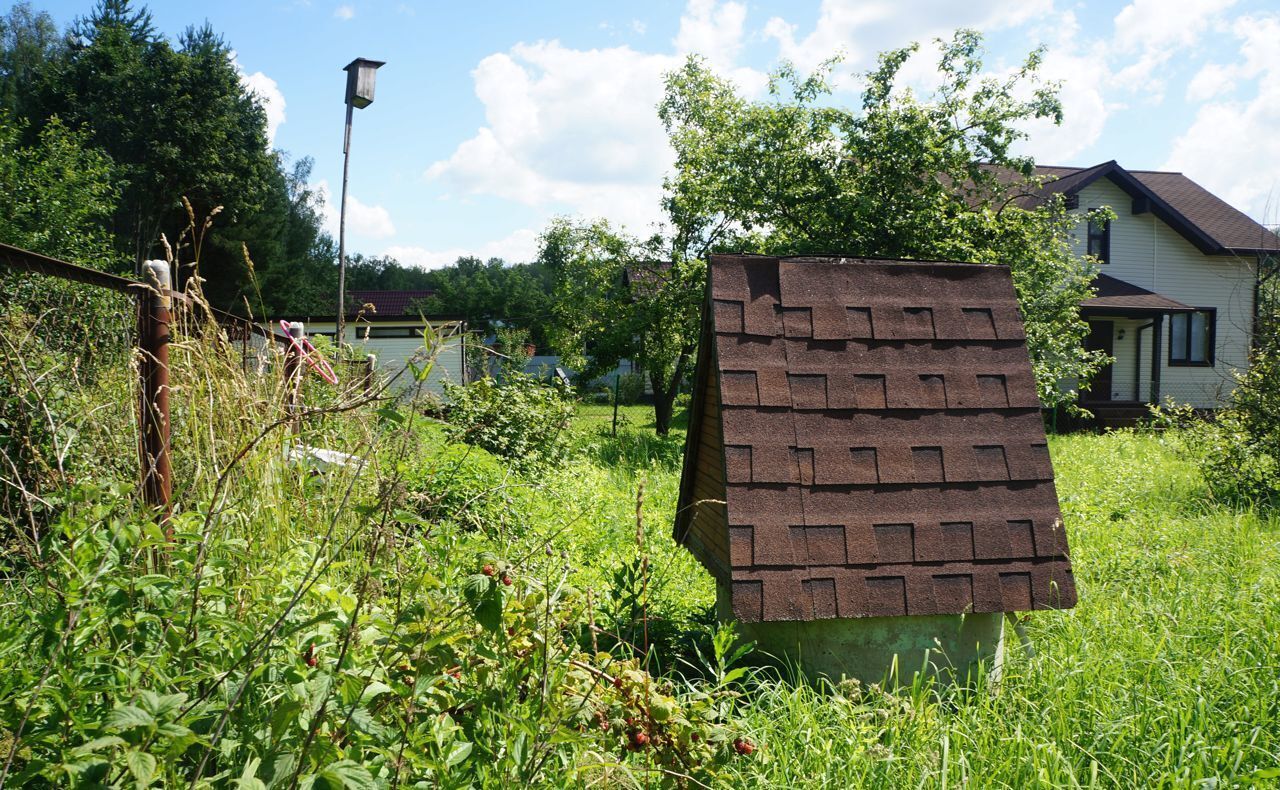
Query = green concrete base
x=953 y=649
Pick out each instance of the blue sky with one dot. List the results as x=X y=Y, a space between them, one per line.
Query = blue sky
x=492 y=117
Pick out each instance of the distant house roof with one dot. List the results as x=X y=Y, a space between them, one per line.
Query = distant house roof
x=1118 y=295
x=866 y=440
x=1201 y=217
x=646 y=275
x=387 y=303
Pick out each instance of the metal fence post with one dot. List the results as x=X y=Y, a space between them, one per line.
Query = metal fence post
x=370 y=365
x=617 y=380
x=293 y=370
x=153 y=337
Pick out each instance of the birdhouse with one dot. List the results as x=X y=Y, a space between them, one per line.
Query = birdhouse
x=865 y=441
x=360 y=79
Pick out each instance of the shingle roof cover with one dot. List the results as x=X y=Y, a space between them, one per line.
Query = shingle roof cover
x=387 y=303
x=1226 y=226
x=1116 y=294
x=883 y=446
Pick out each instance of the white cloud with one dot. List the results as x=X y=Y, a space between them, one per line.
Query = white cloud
x=271 y=99
x=577 y=129
x=1211 y=80
x=344 y=12
x=269 y=96
x=1232 y=147
x=860 y=29
x=638 y=27
x=1157 y=30
x=566 y=127
x=713 y=30
x=1082 y=70
x=1160 y=24
x=372 y=222
x=519 y=247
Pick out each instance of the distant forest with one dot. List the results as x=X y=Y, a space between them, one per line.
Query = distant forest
x=111 y=136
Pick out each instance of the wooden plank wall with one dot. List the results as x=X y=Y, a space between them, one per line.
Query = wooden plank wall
x=709 y=525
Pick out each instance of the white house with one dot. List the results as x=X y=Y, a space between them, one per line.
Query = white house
x=1177 y=290
x=389 y=325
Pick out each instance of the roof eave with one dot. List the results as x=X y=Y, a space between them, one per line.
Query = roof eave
x=1158 y=206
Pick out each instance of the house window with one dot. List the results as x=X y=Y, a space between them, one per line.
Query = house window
x=1099 y=236
x=391 y=331
x=1191 y=337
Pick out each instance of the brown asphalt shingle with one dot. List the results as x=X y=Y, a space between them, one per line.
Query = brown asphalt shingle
x=387 y=303
x=1230 y=229
x=883 y=451
x=1116 y=294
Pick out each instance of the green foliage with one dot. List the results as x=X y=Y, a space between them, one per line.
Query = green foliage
x=630 y=388
x=326 y=630
x=486 y=292
x=614 y=301
x=466 y=485
x=899 y=177
x=520 y=419
x=1239 y=446
x=132 y=125
x=514 y=346
x=58 y=194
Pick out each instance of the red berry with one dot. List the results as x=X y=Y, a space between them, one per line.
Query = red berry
x=511 y=630
x=506 y=580
x=695 y=737
x=487 y=570
x=639 y=739
x=617 y=682
x=309 y=657
x=743 y=746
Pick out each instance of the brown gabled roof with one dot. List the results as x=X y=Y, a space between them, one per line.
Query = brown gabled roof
x=875 y=431
x=387 y=303
x=1118 y=295
x=1204 y=219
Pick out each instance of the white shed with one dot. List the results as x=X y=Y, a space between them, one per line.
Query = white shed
x=388 y=325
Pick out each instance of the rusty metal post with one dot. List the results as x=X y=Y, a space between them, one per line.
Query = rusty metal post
x=370 y=365
x=153 y=339
x=293 y=370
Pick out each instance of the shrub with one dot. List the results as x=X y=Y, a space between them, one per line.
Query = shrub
x=630 y=389
x=467 y=486
x=521 y=419
x=1239 y=451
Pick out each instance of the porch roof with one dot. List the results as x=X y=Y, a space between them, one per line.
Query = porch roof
x=1119 y=297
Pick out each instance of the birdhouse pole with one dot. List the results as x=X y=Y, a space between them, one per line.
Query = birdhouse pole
x=360 y=82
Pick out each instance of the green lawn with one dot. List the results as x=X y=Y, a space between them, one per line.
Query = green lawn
x=1167 y=673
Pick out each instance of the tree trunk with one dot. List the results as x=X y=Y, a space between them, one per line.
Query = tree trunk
x=663 y=403
x=664 y=394
x=664 y=399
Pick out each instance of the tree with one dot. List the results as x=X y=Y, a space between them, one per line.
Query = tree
x=619 y=298
x=901 y=177
x=28 y=39
x=489 y=293
x=56 y=195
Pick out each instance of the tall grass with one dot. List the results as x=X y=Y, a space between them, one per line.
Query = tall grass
x=354 y=628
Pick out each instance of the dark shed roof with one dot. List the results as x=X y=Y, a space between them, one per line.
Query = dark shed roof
x=1118 y=295
x=387 y=303
x=875 y=432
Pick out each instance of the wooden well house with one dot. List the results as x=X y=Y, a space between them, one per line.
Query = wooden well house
x=866 y=441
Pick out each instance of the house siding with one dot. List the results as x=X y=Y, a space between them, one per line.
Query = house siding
x=394 y=353
x=1148 y=253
